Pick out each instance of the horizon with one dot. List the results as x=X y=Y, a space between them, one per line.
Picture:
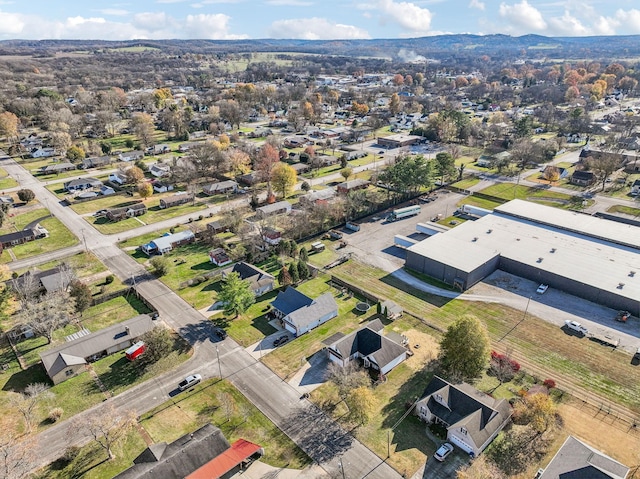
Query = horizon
x=311 y=20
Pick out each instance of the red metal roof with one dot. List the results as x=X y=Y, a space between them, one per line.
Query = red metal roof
x=232 y=457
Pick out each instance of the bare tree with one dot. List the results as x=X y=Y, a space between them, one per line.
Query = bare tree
x=27 y=402
x=347 y=378
x=106 y=426
x=48 y=313
x=16 y=455
x=227 y=404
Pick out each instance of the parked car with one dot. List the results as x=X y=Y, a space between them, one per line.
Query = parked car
x=575 y=326
x=221 y=333
x=542 y=288
x=189 y=381
x=281 y=340
x=443 y=451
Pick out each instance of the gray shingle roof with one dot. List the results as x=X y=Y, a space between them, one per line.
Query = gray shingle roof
x=319 y=308
x=290 y=300
x=180 y=458
x=254 y=275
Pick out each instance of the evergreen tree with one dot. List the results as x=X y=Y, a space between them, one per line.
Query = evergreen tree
x=236 y=295
x=293 y=272
x=303 y=270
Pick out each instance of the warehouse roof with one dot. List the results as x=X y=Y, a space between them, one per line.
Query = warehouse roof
x=448 y=249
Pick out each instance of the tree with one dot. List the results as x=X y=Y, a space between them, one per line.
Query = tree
x=47 y=313
x=480 y=468
x=159 y=344
x=267 y=159
x=8 y=124
x=17 y=455
x=284 y=278
x=145 y=190
x=408 y=174
x=227 y=404
x=236 y=295
x=464 y=349
x=347 y=378
x=143 y=127
x=304 y=255
x=61 y=141
x=283 y=178
x=133 y=175
x=75 y=153
x=551 y=173
x=81 y=293
x=503 y=367
x=346 y=173
x=303 y=270
x=394 y=104
x=107 y=426
x=160 y=265
x=602 y=165
x=4 y=209
x=27 y=402
x=26 y=195
x=537 y=410
x=239 y=162
x=362 y=404
x=445 y=166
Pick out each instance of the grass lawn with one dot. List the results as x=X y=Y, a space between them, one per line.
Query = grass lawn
x=192 y=409
x=535 y=343
x=83 y=264
x=467 y=182
x=287 y=359
x=509 y=191
x=6 y=181
x=59 y=237
x=627 y=210
x=253 y=325
x=103 y=203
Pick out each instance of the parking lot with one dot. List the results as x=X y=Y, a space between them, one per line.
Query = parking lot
x=373 y=244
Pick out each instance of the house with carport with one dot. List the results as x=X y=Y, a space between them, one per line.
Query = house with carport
x=472 y=418
x=299 y=313
x=71 y=358
x=167 y=242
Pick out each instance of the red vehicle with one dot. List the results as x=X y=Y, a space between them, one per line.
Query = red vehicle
x=136 y=350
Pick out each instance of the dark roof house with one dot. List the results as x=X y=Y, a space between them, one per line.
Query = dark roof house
x=472 y=418
x=577 y=460
x=583 y=178
x=300 y=314
x=352 y=185
x=117 y=214
x=176 y=200
x=261 y=282
x=367 y=343
x=82 y=184
x=49 y=281
x=96 y=162
x=23 y=236
x=204 y=453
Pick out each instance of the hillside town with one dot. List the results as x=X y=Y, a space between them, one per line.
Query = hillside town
x=309 y=266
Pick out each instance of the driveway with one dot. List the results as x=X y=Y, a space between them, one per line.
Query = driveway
x=312 y=374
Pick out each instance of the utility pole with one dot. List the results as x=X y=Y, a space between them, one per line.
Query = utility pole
x=84 y=239
x=341 y=467
x=219 y=363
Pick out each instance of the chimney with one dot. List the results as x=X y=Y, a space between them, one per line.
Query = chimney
x=127 y=330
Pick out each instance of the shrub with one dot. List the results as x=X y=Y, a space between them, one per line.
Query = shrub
x=55 y=414
x=172 y=230
x=109 y=279
x=200 y=218
x=549 y=383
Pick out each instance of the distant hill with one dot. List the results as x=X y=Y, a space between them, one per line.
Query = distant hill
x=433 y=47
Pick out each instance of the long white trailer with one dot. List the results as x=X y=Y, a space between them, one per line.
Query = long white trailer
x=475 y=211
x=403 y=241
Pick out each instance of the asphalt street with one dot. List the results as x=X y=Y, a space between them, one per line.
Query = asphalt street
x=313 y=431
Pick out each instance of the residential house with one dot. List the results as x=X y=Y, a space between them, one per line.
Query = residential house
x=472 y=418
x=562 y=172
x=219 y=257
x=575 y=459
x=117 y=214
x=175 y=200
x=183 y=147
x=216 y=227
x=320 y=196
x=249 y=179
x=48 y=281
x=220 y=188
x=201 y=454
x=299 y=313
x=261 y=282
x=485 y=161
x=70 y=358
x=271 y=236
x=131 y=155
x=368 y=344
x=278 y=208
x=398 y=141
x=352 y=185
x=160 y=169
x=162 y=186
x=158 y=149
x=168 y=242
x=301 y=168
x=118 y=178
x=107 y=190
x=582 y=178
x=24 y=236
x=45 y=152
x=82 y=184
x=6 y=200
x=96 y=162
x=57 y=168
x=635 y=188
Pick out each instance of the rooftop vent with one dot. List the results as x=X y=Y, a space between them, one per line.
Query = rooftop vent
x=540 y=260
x=553 y=250
x=620 y=285
x=475 y=238
x=489 y=231
x=632 y=274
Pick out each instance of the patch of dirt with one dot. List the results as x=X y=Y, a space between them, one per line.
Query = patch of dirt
x=427 y=351
x=612 y=436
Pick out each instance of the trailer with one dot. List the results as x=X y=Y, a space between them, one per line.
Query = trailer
x=403 y=241
x=475 y=211
x=333 y=234
x=136 y=350
x=352 y=226
x=404 y=213
x=605 y=339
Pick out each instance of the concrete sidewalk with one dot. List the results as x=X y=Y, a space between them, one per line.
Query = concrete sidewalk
x=260 y=470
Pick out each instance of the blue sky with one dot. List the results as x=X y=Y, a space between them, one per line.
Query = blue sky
x=311 y=19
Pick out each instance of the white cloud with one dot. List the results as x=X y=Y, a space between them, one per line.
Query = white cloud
x=212 y=26
x=150 y=21
x=567 y=25
x=10 y=24
x=117 y=12
x=409 y=16
x=522 y=18
x=171 y=1
x=289 y=3
x=476 y=4
x=629 y=20
x=314 y=29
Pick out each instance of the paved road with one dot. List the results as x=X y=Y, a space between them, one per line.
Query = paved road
x=317 y=434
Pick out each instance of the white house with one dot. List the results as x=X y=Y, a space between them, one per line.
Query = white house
x=131 y=155
x=43 y=152
x=168 y=242
x=117 y=177
x=160 y=169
